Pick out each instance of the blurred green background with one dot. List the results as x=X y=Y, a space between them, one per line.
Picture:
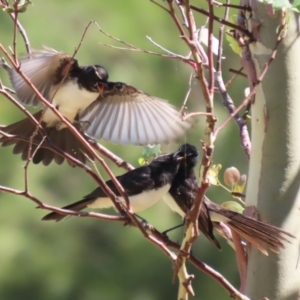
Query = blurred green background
x=89 y=258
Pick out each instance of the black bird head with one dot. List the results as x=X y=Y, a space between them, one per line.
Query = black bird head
x=189 y=155
x=93 y=77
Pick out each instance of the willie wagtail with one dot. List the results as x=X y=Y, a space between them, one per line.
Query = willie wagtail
x=181 y=198
x=144 y=186
x=112 y=111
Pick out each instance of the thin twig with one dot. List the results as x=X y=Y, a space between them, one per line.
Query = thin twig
x=253 y=91
x=82 y=38
x=68 y=66
x=14 y=53
x=227 y=101
x=241 y=122
x=222 y=21
x=114 y=158
x=131 y=47
x=237 y=72
x=182 y=12
x=196 y=114
x=62 y=211
x=210 y=56
x=186 y=96
x=229 y=5
x=234 y=76
x=29 y=158
x=159 y=5
x=21 y=29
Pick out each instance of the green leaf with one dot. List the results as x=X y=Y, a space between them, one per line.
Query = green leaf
x=213 y=173
x=8 y=10
x=141 y=161
x=296 y=9
x=22 y=5
x=234 y=44
x=151 y=151
x=280 y=4
x=22 y=9
x=148 y=153
x=239 y=187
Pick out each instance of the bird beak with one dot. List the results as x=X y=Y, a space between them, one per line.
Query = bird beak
x=101 y=88
x=180 y=158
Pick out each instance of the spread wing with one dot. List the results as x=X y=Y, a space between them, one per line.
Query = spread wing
x=125 y=115
x=44 y=68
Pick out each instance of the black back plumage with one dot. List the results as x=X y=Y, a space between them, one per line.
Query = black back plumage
x=184 y=189
x=158 y=173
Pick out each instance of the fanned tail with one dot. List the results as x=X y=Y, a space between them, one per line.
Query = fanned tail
x=63 y=139
x=260 y=234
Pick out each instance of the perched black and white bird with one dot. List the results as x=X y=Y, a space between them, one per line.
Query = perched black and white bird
x=112 y=111
x=181 y=198
x=183 y=191
x=144 y=186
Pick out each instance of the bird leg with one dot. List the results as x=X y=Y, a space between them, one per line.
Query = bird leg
x=175 y=227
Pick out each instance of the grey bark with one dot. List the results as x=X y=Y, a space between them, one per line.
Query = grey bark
x=274 y=174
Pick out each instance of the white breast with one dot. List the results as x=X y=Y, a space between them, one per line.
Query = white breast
x=70 y=100
x=173 y=205
x=137 y=202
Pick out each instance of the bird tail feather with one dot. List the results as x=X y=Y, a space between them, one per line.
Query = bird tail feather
x=258 y=233
x=63 y=139
x=77 y=206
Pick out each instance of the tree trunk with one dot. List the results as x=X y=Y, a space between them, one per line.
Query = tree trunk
x=274 y=174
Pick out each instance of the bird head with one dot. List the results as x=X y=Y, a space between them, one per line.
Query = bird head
x=93 y=77
x=187 y=154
